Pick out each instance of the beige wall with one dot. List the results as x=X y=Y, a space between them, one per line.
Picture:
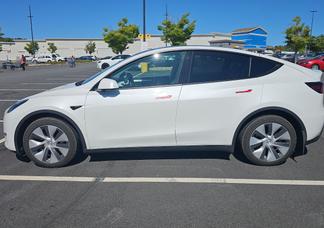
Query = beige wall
x=68 y=47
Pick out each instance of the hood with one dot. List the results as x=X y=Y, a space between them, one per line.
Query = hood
x=67 y=89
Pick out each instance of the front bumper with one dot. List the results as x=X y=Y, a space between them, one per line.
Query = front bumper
x=10 y=123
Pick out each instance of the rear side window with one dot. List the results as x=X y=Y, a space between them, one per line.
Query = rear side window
x=261 y=66
x=212 y=66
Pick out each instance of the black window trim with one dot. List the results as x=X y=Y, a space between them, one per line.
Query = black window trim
x=190 y=65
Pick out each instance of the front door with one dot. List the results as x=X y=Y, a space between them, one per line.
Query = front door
x=142 y=111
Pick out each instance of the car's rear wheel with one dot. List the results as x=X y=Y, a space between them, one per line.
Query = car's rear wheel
x=315 y=67
x=50 y=142
x=268 y=140
x=104 y=66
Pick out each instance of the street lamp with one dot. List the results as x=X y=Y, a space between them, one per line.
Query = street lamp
x=311 y=31
x=144 y=21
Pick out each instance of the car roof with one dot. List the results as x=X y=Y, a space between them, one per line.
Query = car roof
x=211 y=48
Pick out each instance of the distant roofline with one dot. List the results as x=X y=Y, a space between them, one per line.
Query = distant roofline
x=100 y=39
x=248 y=30
x=227 y=41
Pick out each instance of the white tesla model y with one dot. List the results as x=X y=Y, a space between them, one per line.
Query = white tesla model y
x=174 y=97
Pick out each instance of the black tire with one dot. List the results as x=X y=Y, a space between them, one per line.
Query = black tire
x=249 y=129
x=65 y=128
x=104 y=65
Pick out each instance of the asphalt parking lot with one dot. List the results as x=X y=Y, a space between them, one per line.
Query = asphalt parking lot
x=152 y=189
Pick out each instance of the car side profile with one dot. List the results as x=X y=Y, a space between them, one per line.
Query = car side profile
x=107 y=62
x=175 y=97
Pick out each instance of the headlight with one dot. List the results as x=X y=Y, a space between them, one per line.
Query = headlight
x=16 y=105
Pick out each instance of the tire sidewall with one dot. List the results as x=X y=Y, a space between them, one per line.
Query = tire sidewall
x=66 y=128
x=104 y=66
x=252 y=125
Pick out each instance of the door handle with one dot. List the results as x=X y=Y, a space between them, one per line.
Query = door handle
x=244 y=91
x=164 y=97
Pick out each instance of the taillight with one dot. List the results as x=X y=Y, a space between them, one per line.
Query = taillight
x=317 y=86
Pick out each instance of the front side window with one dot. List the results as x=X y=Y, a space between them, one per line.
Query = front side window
x=213 y=66
x=155 y=70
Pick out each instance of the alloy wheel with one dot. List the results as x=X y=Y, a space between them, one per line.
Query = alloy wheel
x=48 y=144
x=270 y=141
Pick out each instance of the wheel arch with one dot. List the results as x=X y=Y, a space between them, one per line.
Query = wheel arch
x=23 y=124
x=285 y=113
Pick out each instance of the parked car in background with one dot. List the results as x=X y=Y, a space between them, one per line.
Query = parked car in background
x=43 y=59
x=289 y=57
x=106 y=57
x=316 y=63
x=104 y=63
x=186 y=96
x=86 y=57
x=29 y=58
x=57 y=58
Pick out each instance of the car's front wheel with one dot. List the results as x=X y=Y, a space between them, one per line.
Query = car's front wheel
x=268 y=140
x=104 y=66
x=315 y=67
x=50 y=142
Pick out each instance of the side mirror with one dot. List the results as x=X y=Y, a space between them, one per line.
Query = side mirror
x=107 y=84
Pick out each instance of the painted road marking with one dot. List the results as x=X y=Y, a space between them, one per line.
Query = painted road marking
x=41 y=83
x=23 y=89
x=7 y=100
x=2 y=140
x=1 y=121
x=162 y=180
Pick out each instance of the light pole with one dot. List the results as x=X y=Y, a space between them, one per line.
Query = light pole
x=166 y=18
x=144 y=21
x=31 y=27
x=311 y=31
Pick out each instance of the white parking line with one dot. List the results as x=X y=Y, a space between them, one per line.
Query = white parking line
x=7 y=100
x=1 y=121
x=64 y=79
x=41 y=83
x=22 y=89
x=2 y=140
x=162 y=180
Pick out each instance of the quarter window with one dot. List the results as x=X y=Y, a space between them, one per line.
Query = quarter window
x=261 y=66
x=154 y=70
x=212 y=66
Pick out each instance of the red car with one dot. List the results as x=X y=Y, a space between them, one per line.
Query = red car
x=316 y=63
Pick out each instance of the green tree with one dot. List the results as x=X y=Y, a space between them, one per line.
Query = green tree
x=90 y=47
x=52 y=48
x=119 y=39
x=32 y=47
x=177 y=33
x=316 y=44
x=297 y=36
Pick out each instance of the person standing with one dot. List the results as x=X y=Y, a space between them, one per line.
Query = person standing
x=23 y=62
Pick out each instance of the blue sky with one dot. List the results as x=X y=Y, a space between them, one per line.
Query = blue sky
x=86 y=18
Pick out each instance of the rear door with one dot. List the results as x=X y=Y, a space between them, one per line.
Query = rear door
x=218 y=94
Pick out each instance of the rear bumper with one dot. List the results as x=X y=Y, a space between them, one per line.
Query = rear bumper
x=315 y=139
